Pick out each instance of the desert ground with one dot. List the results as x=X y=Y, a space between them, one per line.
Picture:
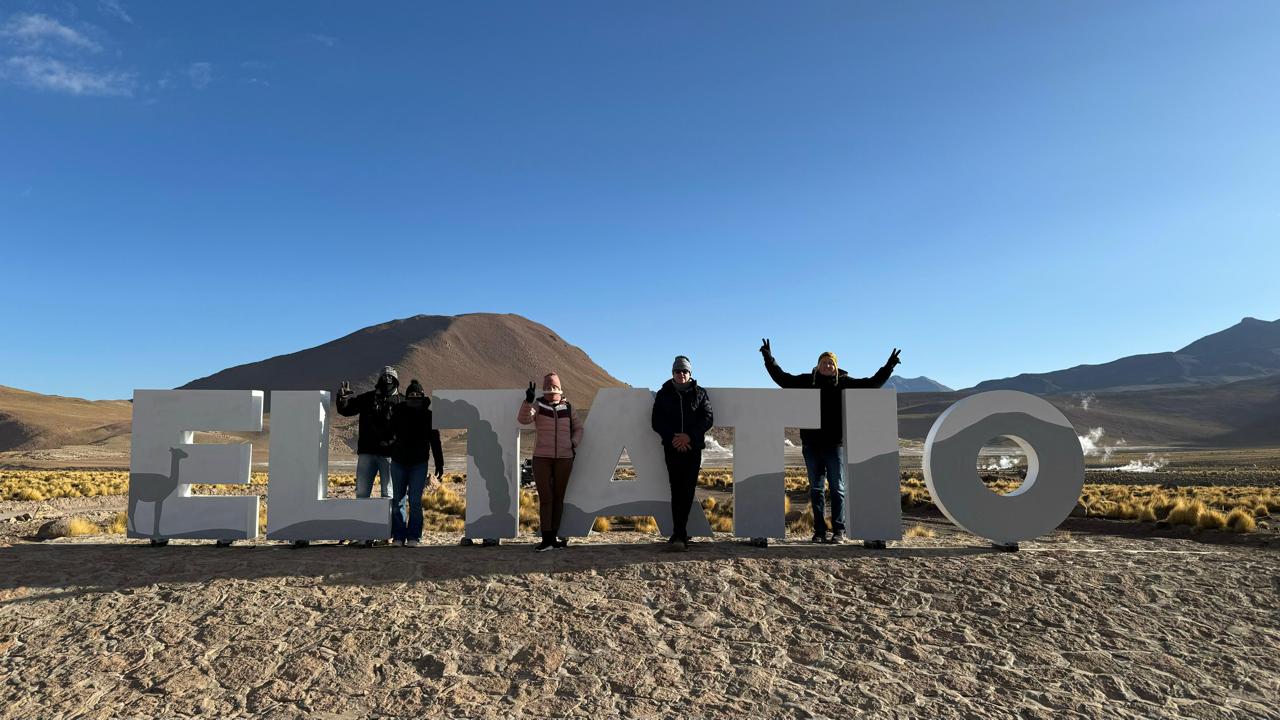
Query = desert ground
x=1103 y=618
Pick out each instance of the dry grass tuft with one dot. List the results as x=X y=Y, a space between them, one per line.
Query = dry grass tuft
x=1212 y=520
x=920 y=531
x=1241 y=521
x=602 y=524
x=644 y=524
x=78 y=526
x=1186 y=512
x=117 y=525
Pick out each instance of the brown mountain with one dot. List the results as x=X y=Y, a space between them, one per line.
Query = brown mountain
x=31 y=421
x=1248 y=349
x=478 y=350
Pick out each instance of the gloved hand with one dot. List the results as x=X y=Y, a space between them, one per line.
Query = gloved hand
x=765 y=350
x=528 y=393
x=345 y=389
x=893 y=358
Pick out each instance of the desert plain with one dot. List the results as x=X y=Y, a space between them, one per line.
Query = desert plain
x=1106 y=617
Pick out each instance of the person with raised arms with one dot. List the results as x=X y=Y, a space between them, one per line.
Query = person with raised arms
x=682 y=417
x=415 y=442
x=824 y=446
x=557 y=435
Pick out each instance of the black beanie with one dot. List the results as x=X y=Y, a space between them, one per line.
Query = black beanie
x=415 y=387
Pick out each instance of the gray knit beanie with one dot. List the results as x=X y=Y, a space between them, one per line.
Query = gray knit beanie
x=681 y=363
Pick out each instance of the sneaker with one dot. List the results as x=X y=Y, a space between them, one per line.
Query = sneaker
x=818 y=538
x=837 y=538
x=561 y=543
x=544 y=546
x=874 y=544
x=411 y=543
x=398 y=543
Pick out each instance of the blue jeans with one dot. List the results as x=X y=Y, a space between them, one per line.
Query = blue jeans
x=826 y=463
x=366 y=467
x=406 y=505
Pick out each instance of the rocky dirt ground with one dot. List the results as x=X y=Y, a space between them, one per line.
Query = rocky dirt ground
x=1083 y=623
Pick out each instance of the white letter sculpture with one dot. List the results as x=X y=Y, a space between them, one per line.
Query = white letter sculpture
x=297 y=508
x=1055 y=465
x=759 y=419
x=620 y=420
x=164 y=463
x=873 y=500
x=493 y=455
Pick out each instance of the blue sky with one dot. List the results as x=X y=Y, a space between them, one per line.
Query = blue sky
x=995 y=187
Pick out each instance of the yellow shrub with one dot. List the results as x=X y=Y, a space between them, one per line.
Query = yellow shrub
x=602 y=524
x=1186 y=512
x=920 y=531
x=118 y=524
x=645 y=524
x=82 y=526
x=1241 y=521
x=1212 y=520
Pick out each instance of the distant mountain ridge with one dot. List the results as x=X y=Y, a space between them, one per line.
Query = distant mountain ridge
x=915 y=384
x=32 y=421
x=1247 y=350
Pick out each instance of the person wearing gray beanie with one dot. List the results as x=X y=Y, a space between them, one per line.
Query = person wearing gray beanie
x=682 y=417
x=376 y=437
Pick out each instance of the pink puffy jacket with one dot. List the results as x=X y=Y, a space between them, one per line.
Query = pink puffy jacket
x=558 y=430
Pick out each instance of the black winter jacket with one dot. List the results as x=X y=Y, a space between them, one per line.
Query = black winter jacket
x=831 y=434
x=415 y=440
x=376 y=436
x=687 y=412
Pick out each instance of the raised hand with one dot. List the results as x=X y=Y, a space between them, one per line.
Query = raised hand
x=528 y=393
x=894 y=361
x=345 y=389
x=765 y=350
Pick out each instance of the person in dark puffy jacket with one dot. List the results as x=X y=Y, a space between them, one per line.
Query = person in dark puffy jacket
x=415 y=442
x=376 y=437
x=824 y=446
x=557 y=432
x=682 y=417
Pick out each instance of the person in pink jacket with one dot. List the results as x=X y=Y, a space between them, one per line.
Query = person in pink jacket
x=557 y=432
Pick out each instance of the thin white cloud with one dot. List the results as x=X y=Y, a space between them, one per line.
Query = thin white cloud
x=46 y=73
x=41 y=32
x=326 y=40
x=201 y=74
x=114 y=9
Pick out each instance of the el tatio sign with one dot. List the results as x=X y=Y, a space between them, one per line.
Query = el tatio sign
x=165 y=464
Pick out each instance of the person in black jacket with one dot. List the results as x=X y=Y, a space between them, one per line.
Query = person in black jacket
x=415 y=442
x=682 y=417
x=824 y=446
x=373 y=445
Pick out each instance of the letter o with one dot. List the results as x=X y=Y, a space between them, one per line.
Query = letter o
x=1055 y=465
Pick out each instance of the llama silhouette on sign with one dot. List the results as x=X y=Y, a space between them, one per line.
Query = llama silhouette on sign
x=154 y=488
